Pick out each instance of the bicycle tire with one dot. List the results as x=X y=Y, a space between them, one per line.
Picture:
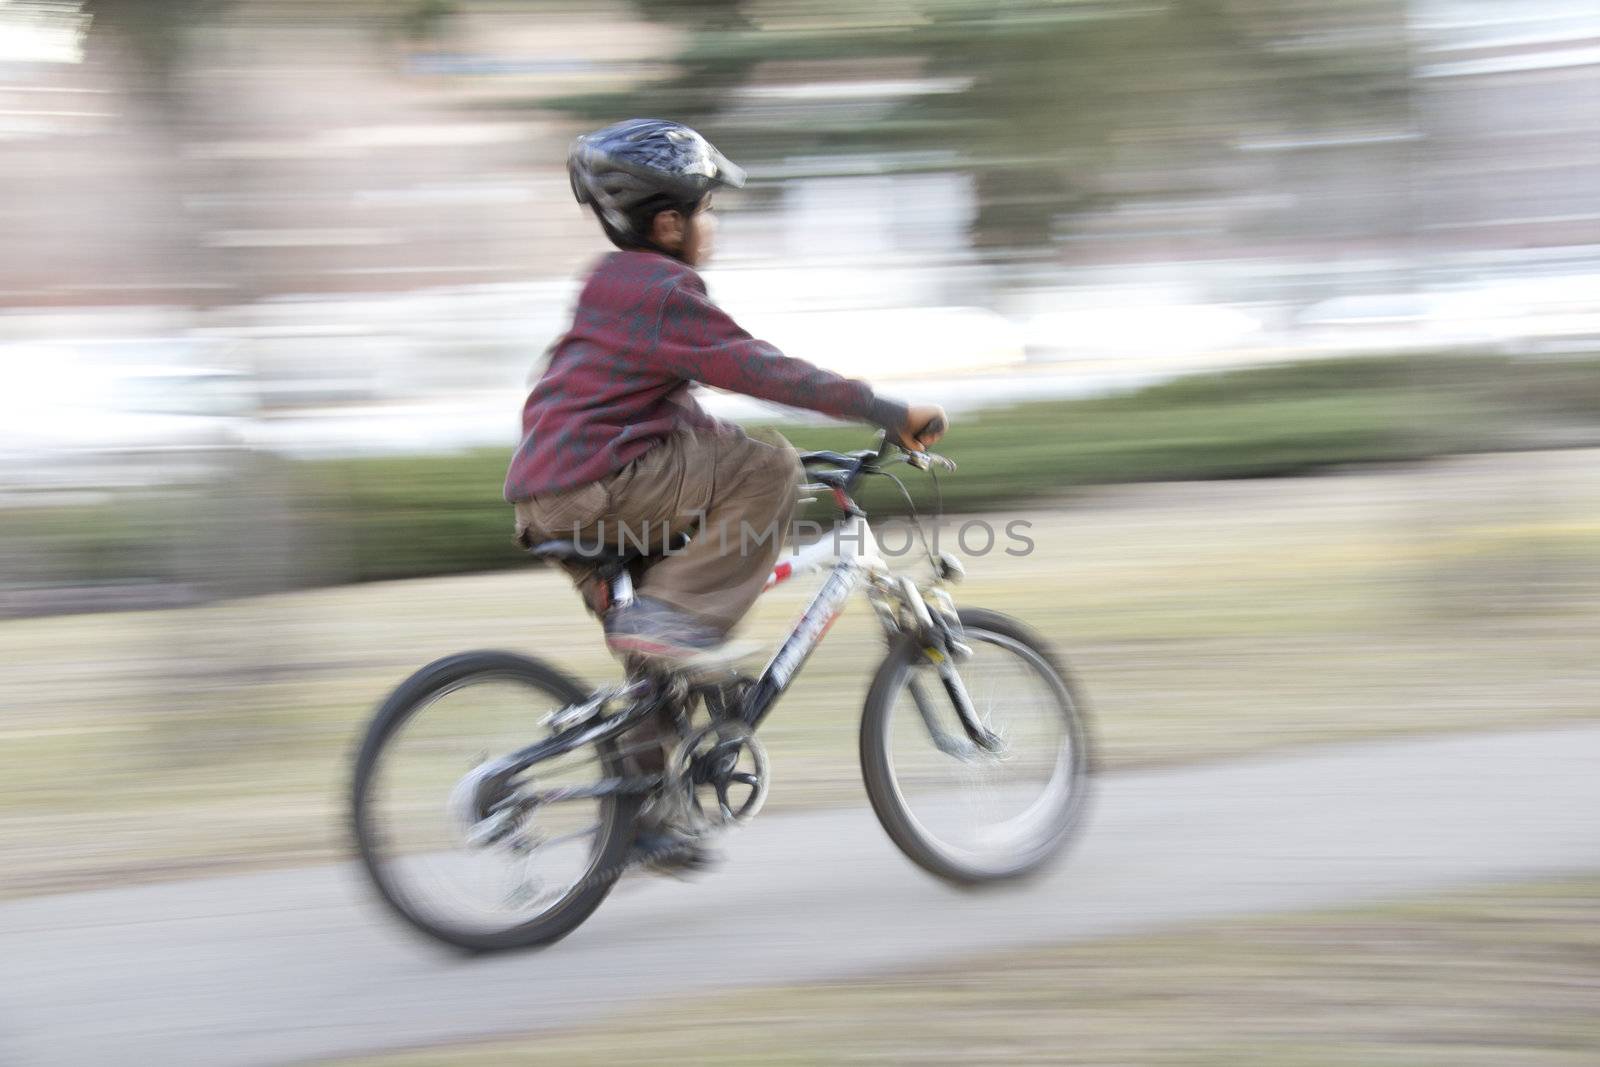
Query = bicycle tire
x=416 y=693
x=888 y=802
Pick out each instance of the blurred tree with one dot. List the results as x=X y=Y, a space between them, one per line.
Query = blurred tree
x=156 y=37
x=423 y=19
x=159 y=51
x=1050 y=105
x=1044 y=102
x=160 y=35
x=226 y=535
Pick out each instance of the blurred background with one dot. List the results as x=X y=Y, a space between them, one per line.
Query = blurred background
x=1279 y=320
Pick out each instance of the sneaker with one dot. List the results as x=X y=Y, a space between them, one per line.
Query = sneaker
x=672 y=852
x=655 y=630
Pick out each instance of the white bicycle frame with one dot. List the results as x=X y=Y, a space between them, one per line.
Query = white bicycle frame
x=829 y=549
x=850 y=553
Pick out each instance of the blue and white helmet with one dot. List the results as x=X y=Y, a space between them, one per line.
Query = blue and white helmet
x=622 y=167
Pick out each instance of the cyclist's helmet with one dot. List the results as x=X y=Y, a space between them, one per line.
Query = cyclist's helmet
x=632 y=170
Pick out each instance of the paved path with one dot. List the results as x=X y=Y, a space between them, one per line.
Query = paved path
x=294 y=965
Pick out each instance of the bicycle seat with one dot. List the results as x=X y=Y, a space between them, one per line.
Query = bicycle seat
x=605 y=558
x=602 y=557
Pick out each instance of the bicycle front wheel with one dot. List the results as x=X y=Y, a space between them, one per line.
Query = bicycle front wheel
x=963 y=812
x=448 y=846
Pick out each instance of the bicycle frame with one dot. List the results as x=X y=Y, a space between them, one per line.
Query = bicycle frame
x=573 y=726
x=853 y=552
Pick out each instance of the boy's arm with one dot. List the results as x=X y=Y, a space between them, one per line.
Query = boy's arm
x=695 y=339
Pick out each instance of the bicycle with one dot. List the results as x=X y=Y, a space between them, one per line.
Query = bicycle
x=543 y=831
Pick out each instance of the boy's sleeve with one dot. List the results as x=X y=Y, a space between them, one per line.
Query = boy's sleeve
x=695 y=339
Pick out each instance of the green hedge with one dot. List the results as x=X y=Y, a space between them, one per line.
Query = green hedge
x=377 y=518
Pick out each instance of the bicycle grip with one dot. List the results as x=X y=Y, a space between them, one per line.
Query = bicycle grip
x=933 y=427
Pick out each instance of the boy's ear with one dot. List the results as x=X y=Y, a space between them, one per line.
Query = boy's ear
x=668 y=230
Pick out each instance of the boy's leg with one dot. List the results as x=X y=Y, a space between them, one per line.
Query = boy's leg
x=743 y=491
x=747 y=489
x=738 y=490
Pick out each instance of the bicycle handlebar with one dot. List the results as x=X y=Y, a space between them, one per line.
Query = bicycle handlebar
x=867 y=461
x=841 y=460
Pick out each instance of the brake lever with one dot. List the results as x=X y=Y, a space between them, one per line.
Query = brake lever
x=924 y=460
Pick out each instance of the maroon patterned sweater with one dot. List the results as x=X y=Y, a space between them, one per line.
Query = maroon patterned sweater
x=618 y=381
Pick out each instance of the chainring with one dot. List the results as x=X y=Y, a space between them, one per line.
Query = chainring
x=718 y=776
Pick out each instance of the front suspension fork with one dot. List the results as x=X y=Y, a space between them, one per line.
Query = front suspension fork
x=977 y=733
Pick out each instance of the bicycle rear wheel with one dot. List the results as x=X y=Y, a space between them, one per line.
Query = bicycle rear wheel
x=423 y=819
x=963 y=813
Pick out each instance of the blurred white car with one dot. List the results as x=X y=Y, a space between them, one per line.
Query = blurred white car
x=1141 y=331
x=1395 y=322
x=1515 y=314
x=108 y=415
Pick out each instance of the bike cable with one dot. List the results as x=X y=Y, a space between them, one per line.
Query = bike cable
x=916 y=518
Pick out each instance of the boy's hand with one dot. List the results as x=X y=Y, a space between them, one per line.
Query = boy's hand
x=925 y=424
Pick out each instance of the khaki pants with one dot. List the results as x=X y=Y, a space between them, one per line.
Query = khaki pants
x=735 y=492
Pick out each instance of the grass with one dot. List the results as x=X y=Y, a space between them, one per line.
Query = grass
x=1486 y=977
x=1205 y=620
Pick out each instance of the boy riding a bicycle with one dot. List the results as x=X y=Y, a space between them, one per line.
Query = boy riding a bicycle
x=616 y=451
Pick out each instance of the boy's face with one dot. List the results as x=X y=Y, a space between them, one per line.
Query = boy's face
x=692 y=238
x=701 y=239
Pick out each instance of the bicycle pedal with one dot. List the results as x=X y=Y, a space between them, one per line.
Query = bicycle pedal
x=677 y=859
x=574 y=714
